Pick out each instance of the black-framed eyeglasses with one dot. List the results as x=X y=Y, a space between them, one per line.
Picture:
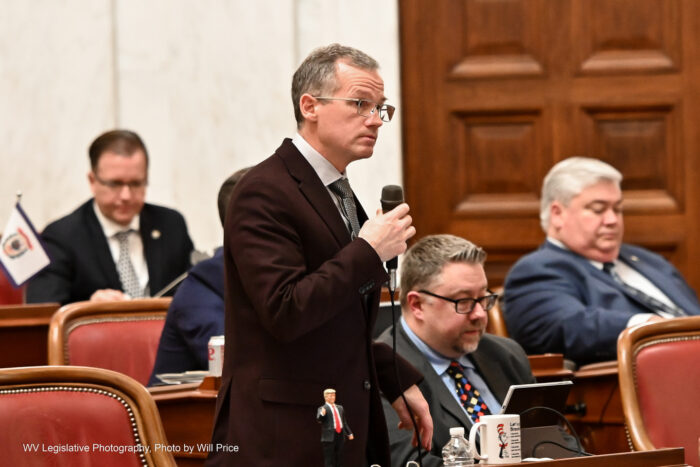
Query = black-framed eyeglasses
x=464 y=306
x=366 y=108
x=118 y=185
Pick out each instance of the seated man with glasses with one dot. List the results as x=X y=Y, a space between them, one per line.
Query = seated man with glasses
x=114 y=246
x=444 y=302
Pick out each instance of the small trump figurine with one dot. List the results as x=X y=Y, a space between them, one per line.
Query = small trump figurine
x=334 y=429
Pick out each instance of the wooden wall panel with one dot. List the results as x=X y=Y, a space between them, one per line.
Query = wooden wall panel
x=491 y=157
x=498 y=39
x=626 y=36
x=496 y=91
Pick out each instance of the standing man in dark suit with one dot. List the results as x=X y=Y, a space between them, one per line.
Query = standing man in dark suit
x=444 y=304
x=114 y=246
x=303 y=278
x=334 y=429
x=584 y=286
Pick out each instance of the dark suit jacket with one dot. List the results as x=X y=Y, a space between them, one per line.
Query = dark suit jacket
x=557 y=301
x=327 y=424
x=81 y=262
x=195 y=314
x=301 y=301
x=500 y=362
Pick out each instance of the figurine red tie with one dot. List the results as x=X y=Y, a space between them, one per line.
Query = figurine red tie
x=334 y=429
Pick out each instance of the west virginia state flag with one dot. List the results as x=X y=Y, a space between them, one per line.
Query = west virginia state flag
x=21 y=252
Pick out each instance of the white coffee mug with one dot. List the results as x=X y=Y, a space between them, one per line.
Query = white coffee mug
x=500 y=439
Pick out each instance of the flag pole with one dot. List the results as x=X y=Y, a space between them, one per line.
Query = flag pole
x=19 y=196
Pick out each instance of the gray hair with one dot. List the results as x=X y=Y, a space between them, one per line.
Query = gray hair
x=316 y=75
x=424 y=261
x=570 y=177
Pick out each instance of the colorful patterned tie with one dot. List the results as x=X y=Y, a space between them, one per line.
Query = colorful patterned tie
x=648 y=301
x=336 y=419
x=468 y=395
x=127 y=273
x=341 y=188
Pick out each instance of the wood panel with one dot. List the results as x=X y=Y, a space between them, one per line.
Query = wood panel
x=24 y=332
x=497 y=91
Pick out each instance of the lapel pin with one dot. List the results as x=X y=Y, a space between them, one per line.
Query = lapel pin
x=155 y=234
x=634 y=258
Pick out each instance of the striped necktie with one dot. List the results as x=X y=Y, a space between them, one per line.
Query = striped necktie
x=127 y=273
x=341 y=188
x=650 y=302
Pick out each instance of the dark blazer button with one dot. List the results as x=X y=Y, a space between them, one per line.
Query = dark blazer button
x=367 y=385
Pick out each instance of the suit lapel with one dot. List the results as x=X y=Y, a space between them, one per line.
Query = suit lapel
x=493 y=378
x=314 y=191
x=432 y=379
x=152 y=249
x=103 y=255
x=660 y=278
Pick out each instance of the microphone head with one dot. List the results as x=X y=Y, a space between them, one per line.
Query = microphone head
x=392 y=196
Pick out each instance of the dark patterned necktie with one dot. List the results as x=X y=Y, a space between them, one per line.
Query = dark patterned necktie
x=341 y=188
x=650 y=302
x=127 y=273
x=468 y=395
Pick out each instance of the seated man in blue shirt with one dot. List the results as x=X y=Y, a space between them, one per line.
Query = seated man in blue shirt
x=583 y=286
x=197 y=310
x=444 y=303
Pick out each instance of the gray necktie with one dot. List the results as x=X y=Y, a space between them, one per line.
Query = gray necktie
x=648 y=301
x=127 y=273
x=341 y=188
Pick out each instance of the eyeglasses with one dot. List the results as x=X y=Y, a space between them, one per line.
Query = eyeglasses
x=118 y=185
x=464 y=306
x=366 y=108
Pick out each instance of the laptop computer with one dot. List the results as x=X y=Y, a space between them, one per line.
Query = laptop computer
x=541 y=407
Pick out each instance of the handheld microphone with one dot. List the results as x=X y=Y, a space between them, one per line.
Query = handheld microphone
x=392 y=196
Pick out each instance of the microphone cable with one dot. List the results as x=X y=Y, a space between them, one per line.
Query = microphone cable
x=392 y=292
x=579 y=449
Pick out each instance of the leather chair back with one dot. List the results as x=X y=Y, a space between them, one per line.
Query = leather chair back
x=660 y=383
x=68 y=416
x=496 y=324
x=122 y=336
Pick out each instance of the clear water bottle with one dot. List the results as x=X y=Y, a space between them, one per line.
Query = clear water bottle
x=457 y=452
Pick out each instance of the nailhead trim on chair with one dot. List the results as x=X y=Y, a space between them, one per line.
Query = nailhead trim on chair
x=655 y=342
x=78 y=323
x=102 y=392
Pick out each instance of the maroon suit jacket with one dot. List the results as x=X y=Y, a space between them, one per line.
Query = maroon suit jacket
x=301 y=301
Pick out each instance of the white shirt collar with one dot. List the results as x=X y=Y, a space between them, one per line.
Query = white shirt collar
x=323 y=168
x=109 y=227
x=596 y=264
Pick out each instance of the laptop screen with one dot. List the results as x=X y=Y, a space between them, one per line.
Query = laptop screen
x=523 y=399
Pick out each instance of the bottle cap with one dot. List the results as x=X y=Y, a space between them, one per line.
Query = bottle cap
x=457 y=431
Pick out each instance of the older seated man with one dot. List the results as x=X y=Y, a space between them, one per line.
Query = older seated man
x=583 y=286
x=444 y=304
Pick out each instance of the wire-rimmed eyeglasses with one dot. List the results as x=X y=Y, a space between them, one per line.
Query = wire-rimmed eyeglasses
x=464 y=306
x=366 y=108
x=118 y=185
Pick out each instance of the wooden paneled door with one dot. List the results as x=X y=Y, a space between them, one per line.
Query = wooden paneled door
x=496 y=91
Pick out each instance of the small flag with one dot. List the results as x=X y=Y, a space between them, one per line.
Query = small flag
x=21 y=253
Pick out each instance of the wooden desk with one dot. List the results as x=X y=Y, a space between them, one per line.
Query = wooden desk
x=187 y=412
x=599 y=421
x=662 y=457
x=601 y=426
x=24 y=331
